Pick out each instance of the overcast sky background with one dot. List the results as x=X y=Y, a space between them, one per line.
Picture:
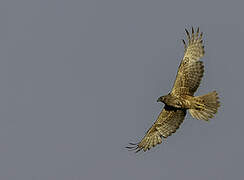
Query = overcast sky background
x=80 y=79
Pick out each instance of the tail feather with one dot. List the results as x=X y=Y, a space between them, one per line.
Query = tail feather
x=205 y=106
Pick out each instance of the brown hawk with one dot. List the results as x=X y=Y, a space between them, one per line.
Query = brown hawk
x=181 y=98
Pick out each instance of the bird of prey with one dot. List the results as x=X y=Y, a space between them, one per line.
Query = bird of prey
x=181 y=98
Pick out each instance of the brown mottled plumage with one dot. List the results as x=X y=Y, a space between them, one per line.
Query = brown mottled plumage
x=190 y=73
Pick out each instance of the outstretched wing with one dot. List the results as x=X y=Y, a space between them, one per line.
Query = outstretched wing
x=168 y=122
x=191 y=70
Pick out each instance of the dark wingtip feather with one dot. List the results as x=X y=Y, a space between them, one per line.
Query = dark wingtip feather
x=183 y=41
x=187 y=32
x=138 y=150
x=133 y=147
x=133 y=143
x=201 y=35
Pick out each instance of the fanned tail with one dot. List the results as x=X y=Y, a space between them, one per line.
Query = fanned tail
x=205 y=106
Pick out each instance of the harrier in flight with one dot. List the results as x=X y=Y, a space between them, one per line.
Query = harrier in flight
x=181 y=98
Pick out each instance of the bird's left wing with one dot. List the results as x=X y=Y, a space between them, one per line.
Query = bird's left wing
x=168 y=122
x=191 y=70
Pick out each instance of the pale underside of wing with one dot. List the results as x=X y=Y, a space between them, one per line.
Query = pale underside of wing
x=191 y=70
x=168 y=122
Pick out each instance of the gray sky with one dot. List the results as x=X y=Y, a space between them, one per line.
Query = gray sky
x=80 y=79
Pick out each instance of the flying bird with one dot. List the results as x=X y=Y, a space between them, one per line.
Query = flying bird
x=181 y=98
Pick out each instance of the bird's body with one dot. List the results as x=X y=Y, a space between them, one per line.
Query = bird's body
x=181 y=98
x=180 y=101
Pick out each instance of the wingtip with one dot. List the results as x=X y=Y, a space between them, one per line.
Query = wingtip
x=133 y=147
x=183 y=41
x=187 y=32
x=201 y=35
x=198 y=29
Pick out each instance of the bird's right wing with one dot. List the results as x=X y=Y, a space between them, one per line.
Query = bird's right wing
x=168 y=122
x=191 y=70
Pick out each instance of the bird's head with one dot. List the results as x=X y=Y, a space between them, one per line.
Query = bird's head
x=161 y=99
